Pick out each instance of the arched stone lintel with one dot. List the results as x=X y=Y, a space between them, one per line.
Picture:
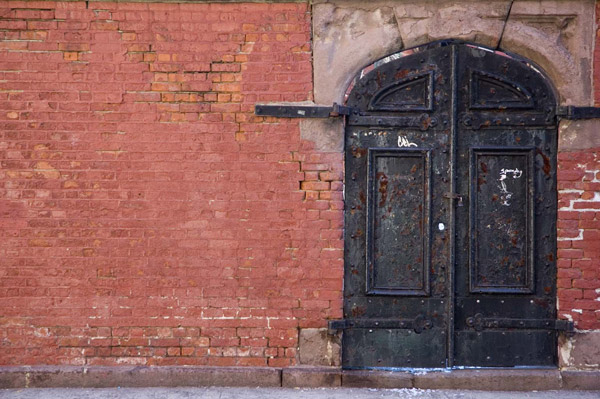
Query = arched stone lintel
x=557 y=36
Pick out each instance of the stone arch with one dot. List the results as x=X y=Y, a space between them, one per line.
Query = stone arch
x=555 y=35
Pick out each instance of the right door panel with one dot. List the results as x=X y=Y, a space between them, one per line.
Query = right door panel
x=506 y=234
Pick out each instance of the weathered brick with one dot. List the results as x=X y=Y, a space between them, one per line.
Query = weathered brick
x=578 y=269
x=142 y=160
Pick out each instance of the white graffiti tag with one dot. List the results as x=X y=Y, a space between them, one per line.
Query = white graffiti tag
x=403 y=142
x=507 y=195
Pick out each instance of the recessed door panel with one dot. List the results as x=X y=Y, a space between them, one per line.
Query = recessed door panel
x=501 y=233
x=398 y=222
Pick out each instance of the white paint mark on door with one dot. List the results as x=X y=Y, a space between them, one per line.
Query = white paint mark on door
x=403 y=142
x=504 y=173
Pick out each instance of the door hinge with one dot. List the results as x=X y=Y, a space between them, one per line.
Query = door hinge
x=301 y=111
x=418 y=324
x=479 y=323
x=572 y=112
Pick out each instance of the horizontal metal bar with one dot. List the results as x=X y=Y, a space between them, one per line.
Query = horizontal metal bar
x=418 y=324
x=370 y=323
x=573 y=112
x=482 y=120
x=475 y=121
x=300 y=111
x=422 y=122
x=296 y=111
x=479 y=323
x=564 y=325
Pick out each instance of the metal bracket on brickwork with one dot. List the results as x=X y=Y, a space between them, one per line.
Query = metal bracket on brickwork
x=572 y=112
x=301 y=111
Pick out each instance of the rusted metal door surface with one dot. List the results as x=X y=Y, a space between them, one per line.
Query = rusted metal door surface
x=450 y=212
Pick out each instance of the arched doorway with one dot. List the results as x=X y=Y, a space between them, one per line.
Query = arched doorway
x=450 y=219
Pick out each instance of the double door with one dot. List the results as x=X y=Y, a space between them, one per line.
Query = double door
x=450 y=190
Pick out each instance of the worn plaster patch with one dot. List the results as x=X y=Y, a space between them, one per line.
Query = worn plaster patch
x=578 y=134
x=565 y=346
x=327 y=134
x=582 y=351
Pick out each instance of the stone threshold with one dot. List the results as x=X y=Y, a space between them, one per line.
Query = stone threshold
x=195 y=376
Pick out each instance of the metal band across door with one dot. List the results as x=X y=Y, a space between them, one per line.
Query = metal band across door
x=450 y=212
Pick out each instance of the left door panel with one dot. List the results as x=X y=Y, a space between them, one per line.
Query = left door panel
x=396 y=218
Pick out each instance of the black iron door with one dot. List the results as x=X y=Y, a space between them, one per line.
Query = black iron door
x=450 y=212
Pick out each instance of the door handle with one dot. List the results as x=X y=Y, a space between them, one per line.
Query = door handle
x=454 y=196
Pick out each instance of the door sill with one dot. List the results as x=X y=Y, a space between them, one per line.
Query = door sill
x=449 y=369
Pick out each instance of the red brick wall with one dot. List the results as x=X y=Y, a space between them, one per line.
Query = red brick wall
x=146 y=215
x=579 y=227
x=579 y=238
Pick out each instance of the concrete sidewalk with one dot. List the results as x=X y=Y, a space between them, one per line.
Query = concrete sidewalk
x=281 y=393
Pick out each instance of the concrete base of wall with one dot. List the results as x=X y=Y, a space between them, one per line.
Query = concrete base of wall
x=103 y=377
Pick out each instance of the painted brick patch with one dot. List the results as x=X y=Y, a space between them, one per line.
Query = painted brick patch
x=146 y=215
x=579 y=238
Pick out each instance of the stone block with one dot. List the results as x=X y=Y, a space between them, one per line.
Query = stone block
x=581 y=380
x=311 y=377
x=376 y=379
x=347 y=38
x=11 y=377
x=490 y=380
x=578 y=134
x=580 y=350
x=318 y=348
